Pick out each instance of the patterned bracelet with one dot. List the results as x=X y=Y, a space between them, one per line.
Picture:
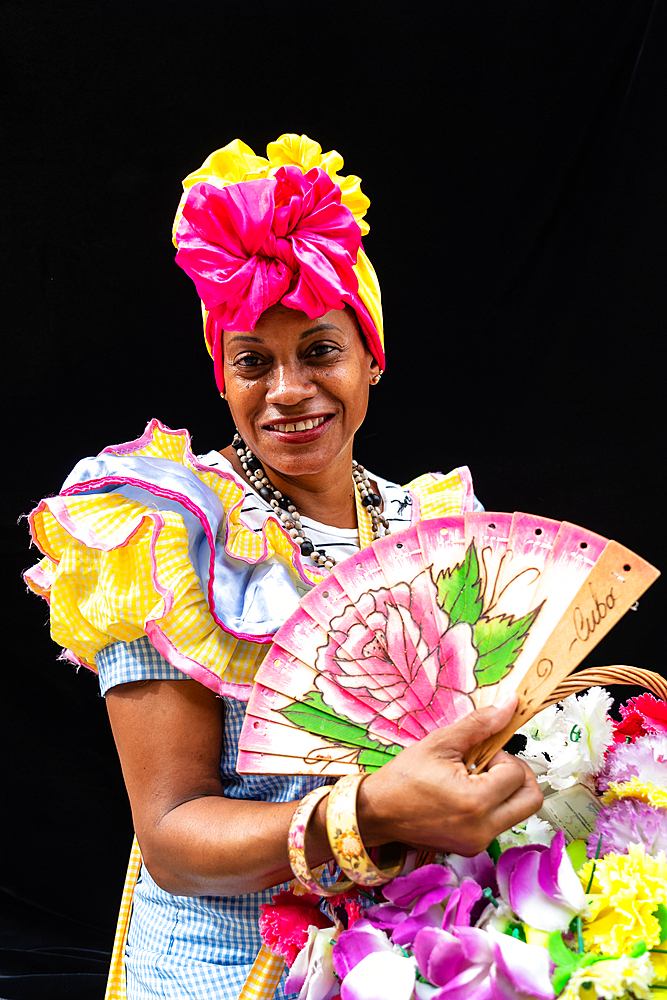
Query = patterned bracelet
x=345 y=840
x=296 y=846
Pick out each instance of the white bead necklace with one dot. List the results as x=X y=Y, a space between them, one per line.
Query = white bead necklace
x=289 y=515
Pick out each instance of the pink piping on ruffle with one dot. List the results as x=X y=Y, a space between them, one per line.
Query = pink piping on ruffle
x=41 y=578
x=192 y=668
x=467 y=498
x=180 y=498
x=129 y=447
x=84 y=534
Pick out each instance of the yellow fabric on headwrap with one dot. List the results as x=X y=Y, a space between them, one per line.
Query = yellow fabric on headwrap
x=237 y=162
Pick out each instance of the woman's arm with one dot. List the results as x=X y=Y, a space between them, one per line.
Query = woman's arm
x=196 y=842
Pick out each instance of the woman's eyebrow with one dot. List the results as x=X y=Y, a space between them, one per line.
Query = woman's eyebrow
x=306 y=333
x=316 y=329
x=245 y=336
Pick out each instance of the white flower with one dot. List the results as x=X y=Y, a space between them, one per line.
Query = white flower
x=312 y=973
x=533 y=831
x=542 y=728
x=568 y=745
x=381 y=976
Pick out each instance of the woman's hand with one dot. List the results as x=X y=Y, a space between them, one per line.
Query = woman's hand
x=427 y=798
x=197 y=842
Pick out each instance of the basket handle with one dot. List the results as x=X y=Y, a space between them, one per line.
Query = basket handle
x=617 y=674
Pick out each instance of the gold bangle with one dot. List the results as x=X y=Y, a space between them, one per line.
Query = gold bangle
x=296 y=839
x=345 y=841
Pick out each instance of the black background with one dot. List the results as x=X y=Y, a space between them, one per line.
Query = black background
x=514 y=156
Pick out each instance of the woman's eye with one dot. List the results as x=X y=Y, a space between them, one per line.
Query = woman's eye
x=250 y=361
x=320 y=350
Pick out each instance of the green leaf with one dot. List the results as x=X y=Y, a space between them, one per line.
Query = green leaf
x=559 y=952
x=313 y=715
x=499 y=641
x=493 y=850
x=661 y=916
x=459 y=589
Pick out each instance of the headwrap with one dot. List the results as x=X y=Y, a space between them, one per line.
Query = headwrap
x=252 y=232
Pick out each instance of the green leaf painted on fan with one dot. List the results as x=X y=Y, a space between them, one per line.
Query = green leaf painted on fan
x=459 y=589
x=499 y=641
x=313 y=715
x=371 y=760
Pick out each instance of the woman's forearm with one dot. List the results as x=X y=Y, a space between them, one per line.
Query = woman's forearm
x=215 y=846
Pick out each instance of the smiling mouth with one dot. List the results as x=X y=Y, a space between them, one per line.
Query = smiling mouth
x=300 y=425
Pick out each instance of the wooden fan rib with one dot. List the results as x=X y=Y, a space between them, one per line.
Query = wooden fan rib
x=574 y=555
x=617 y=580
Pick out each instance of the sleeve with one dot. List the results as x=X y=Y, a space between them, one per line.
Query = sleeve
x=123 y=662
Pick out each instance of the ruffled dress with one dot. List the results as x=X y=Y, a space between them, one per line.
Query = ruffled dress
x=159 y=564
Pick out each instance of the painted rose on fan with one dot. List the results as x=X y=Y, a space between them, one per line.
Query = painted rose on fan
x=400 y=662
x=414 y=654
x=404 y=661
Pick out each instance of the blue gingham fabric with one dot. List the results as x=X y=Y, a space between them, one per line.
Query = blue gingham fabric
x=180 y=947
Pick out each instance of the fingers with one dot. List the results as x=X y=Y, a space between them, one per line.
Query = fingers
x=476 y=727
x=506 y=777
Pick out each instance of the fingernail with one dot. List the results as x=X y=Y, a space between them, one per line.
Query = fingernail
x=505 y=701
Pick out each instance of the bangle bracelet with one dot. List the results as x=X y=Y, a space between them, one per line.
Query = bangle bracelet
x=296 y=846
x=346 y=844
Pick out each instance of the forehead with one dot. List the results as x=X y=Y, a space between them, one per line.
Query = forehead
x=291 y=326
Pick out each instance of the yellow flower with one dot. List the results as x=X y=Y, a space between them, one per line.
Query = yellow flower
x=636 y=789
x=613 y=978
x=348 y=844
x=659 y=962
x=624 y=895
x=237 y=162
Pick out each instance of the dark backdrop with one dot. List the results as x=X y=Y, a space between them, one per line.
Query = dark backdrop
x=513 y=152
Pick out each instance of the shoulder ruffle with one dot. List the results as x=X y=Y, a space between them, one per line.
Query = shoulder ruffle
x=144 y=539
x=437 y=495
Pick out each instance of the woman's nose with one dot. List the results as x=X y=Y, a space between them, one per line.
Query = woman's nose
x=289 y=385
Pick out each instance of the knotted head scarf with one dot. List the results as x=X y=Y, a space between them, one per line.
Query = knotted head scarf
x=252 y=232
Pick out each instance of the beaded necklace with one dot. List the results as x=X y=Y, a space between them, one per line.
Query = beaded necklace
x=289 y=515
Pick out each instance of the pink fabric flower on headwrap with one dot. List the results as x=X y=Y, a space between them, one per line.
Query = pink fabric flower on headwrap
x=284 y=238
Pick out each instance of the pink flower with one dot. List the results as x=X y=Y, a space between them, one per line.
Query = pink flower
x=402 y=663
x=284 y=923
x=540 y=885
x=652 y=711
x=283 y=238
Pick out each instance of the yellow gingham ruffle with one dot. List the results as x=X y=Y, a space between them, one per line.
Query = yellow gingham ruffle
x=114 y=569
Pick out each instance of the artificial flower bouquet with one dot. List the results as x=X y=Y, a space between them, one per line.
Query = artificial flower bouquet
x=571 y=904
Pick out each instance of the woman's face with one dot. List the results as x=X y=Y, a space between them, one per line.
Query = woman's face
x=298 y=387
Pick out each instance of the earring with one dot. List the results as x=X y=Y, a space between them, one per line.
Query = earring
x=223 y=395
x=376 y=378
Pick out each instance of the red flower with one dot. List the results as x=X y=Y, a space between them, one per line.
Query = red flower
x=284 y=923
x=652 y=711
x=630 y=727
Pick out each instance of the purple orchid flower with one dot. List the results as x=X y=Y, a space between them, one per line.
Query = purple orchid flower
x=427 y=897
x=370 y=966
x=471 y=964
x=540 y=885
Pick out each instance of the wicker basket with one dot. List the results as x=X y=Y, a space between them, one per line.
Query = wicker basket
x=601 y=676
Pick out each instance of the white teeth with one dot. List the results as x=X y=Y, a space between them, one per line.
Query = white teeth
x=302 y=425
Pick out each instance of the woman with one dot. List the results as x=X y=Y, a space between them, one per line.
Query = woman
x=168 y=573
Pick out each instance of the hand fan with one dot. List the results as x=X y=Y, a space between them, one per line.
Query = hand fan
x=424 y=625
